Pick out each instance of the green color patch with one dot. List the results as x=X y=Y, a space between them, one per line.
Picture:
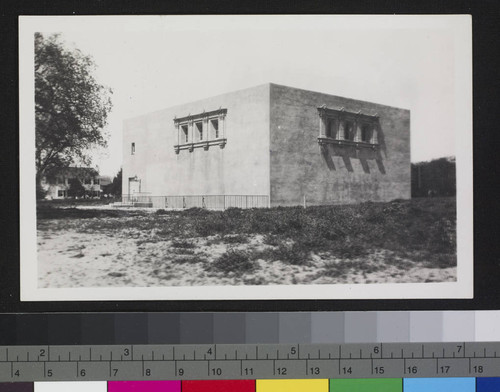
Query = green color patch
x=367 y=385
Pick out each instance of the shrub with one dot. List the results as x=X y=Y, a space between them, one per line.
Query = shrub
x=235 y=239
x=349 y=249
x=233 y=261
x=210 y=224
x=273 y=240
x=442 y=236
x=291 y=254
x=197 y=211
x=183 y=244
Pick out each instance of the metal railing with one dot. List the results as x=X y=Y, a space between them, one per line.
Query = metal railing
x=211 y=202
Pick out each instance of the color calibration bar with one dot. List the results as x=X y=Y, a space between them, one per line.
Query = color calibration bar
x=321 y=385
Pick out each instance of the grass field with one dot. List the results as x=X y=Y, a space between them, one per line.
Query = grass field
x=399 y=241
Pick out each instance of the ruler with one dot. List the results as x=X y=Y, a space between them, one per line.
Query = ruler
x=248 y=361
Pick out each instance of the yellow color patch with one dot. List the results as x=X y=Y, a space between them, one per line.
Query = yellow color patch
x=292 y=386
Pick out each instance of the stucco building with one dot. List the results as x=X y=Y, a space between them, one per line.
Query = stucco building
x=268 y=145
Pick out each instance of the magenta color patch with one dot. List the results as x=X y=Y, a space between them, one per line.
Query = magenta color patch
x=144 y=386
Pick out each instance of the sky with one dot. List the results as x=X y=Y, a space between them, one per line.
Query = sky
x=417 y=63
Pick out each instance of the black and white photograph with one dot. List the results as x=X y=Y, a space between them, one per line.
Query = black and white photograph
x=245 y=157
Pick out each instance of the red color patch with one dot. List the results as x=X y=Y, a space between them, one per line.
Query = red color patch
x=219 y=386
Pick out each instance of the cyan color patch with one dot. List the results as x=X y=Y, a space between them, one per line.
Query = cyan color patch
x=458 y=384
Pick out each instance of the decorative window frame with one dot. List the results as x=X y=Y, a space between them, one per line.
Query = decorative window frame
x=208 y=140
x=338 y=118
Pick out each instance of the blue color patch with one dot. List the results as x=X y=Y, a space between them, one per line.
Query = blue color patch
x=458 y=384
x=488 y=384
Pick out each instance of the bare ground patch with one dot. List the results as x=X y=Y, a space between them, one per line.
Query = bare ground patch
x=72 y=259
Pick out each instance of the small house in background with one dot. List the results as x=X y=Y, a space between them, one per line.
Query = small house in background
x=269 y=145
x=74 y=182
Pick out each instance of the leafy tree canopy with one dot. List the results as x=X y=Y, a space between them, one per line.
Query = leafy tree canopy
x=76 y=189
x=71 y=107
x=115 y=188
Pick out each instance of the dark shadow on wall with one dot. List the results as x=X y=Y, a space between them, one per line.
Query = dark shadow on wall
x=364 y=153
x=328 y=158
x=364 y=165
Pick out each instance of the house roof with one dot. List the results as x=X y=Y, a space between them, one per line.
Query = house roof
x=77 y=172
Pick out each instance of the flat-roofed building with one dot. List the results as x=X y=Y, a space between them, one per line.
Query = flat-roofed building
x=268 y=145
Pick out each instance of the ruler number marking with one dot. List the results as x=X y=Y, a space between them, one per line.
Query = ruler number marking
x=315 y=371
x=347 y=370
x=412 y=369
x=378 y=370
x=477 y=369
x=444 y=369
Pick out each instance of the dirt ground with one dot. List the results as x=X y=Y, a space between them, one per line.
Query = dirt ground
x=71 y=258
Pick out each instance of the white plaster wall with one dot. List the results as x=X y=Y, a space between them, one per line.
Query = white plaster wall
x=240 y=168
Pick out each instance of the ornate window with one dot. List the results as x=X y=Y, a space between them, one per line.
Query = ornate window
x=185 y=133
x=199 y=131
x=340 y=127
x=204 y=129
x=214 y=128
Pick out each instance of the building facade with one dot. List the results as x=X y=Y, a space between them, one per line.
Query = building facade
x=282 y=144
x=59 y=184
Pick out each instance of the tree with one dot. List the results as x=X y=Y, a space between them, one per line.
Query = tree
x=76 y=189
x=434 y=178
x=117 y=184
x=115 y=188
x=71 y=107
